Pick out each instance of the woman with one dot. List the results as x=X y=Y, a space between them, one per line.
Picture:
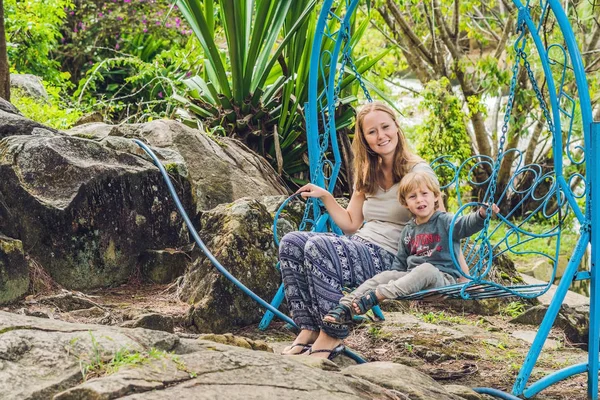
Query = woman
x=316 y=266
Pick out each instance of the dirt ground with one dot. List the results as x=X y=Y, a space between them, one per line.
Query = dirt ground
x=452 y=347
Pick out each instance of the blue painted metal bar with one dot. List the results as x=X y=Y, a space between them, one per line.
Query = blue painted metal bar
x=280 y=295
x=313 y=86
x=551 y=379
x=583 y=275
x=556 y=125
x=594 y=328
x=331 y=87
x=276 y=302
x=551 y=313
x=495 y=393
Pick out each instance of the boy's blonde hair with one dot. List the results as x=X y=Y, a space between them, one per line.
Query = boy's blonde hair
x=414 y=180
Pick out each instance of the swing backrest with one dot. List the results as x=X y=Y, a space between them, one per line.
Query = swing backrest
x=534 y=193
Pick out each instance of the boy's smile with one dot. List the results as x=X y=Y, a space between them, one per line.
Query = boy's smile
x=421 y=203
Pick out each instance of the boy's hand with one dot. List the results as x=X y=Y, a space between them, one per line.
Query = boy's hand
x=483 y=210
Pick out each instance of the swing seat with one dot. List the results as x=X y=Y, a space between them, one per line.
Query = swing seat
x=479 y=291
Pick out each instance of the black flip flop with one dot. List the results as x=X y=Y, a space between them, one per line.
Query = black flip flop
x=305 y=347
x=333 y=353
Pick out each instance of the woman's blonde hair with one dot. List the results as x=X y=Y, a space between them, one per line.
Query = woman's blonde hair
x=367 y=162
x=413 y=181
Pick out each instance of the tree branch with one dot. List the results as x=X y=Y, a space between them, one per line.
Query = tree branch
x=505 y=34
x=417 y=43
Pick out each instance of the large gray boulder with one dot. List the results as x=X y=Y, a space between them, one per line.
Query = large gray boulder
x=12 y=123
x=82 y=211
x=239 y=235
x=14 y=275
x=44 y=359
x=220 y=170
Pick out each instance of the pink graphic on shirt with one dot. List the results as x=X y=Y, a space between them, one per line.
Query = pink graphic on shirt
x=424 y=244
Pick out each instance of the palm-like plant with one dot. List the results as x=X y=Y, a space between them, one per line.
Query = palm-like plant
x=255 y=90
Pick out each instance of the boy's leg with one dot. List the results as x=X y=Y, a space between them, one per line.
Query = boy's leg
x=371 y=284
x=424 y=276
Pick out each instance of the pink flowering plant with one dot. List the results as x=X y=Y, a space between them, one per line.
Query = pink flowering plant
x=98 y=29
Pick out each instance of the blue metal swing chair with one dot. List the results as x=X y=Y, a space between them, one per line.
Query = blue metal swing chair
x=550 y=191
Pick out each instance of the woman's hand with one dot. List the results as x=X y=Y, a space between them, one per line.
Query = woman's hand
x=311 y=190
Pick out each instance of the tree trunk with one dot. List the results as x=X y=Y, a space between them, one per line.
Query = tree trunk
x=4 y=68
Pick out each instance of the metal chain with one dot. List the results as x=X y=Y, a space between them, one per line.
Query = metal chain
x=361 y=82
x=491 y=194
x=538 y=93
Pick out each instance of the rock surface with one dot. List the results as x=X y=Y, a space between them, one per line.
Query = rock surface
x=163 y=266
x=14 y=275
x=154 y=321
x=84 y=212
x=41 y=359
x=240 y=237
x=31 y=85
x=220 y=170
x=13 y=124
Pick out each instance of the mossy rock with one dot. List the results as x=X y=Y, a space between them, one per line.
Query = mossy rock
x=238 y=341
x=239 y=236
x=14 y=275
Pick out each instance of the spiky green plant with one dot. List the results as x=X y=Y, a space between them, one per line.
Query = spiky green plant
x=253 y=87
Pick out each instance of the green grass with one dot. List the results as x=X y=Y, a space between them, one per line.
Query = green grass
x=514 y=309
x=442 y=317
x=48 y=112
x=98 y=363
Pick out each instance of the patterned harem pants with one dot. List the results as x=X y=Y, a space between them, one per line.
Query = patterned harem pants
x=315 y=267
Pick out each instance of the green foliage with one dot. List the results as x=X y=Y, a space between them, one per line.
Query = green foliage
x=127 y=88
x=443 y=131
x=376 y=332
x=242 y=92
x=514 y=309
x=53 y=112
x=32 y=33
x=255 y=89
x=441 y=317
x=96 y=29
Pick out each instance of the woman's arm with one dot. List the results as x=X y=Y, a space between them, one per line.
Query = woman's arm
x=349 y=219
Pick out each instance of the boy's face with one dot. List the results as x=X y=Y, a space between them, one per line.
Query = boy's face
x=421 y=203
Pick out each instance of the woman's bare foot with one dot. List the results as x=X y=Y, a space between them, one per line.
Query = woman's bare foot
x=304 y=338
x=324 y=342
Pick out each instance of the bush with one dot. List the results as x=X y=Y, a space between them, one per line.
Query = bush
x=51 y=112
x=32 y=32
x=98 y=29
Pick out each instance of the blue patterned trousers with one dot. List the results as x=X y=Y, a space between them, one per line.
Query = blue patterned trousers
x=315 y=267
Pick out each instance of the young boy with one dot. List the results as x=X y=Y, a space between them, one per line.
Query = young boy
x=423 y=261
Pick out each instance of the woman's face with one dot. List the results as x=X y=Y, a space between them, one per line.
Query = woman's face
x=380 y=132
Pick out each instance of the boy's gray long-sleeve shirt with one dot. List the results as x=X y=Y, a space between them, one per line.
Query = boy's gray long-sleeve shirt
x=428 y=242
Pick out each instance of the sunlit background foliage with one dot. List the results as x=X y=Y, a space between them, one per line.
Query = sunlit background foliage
x=239 y=68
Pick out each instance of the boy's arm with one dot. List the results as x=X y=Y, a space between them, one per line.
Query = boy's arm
x=400 y=259
x=468 y=225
